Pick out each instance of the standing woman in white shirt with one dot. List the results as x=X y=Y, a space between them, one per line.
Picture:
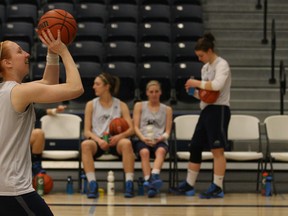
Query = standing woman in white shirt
x=212 y=127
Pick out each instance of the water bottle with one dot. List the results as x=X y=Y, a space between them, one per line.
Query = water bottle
x=69 y=186
x=268 y=191
x=263 y=188
x=106 y=136
x=84 y=183
x=40 y=184
x=140 y=186
x=150 y=132
x=110 y=183
x=191 y=90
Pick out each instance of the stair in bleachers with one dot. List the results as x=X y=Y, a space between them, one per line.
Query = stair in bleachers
x=238 y=28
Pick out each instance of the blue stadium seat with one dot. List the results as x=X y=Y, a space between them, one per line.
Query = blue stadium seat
x=184 y=51
x=123 y=13
x=161 y=71
x=160 y=31
x=87 y=51
x=155 y=12
x=127 y=73
x=155 y=51
x=121 y=51
x=181 y=73
x=22 y=12
x=127 y=31
x=91 y=12
x=91 y=31
x=182 y=31
x=187 y=12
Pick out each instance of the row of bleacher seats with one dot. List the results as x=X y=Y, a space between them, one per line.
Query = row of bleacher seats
x=131 y=39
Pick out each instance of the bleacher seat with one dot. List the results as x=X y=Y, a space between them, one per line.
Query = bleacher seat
x=184 y=51
x=181 y=73
x=127 y=31
x=22 y=12
x=91 y=12
x=2 y=13
x=87 y=51
x=182 y=31
x=123 y=13
x=127 y=73
x=121 y=51
x=155 y=51
x=155 y=13
x=91 y=31
x=160 y=31
x=67 y=6
x=160 y=71
x=187 y=12
x=18 y=30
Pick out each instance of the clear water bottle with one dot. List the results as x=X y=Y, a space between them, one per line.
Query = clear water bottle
x=69 y=185
x=110 y=183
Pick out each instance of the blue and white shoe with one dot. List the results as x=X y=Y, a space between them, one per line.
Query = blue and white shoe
x=183 y=189
x=213 y=191
x=93 y=190
x=129 y=189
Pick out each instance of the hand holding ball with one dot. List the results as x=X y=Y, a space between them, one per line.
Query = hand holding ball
x=208 y=96
x=59 y=19
x=117 y=126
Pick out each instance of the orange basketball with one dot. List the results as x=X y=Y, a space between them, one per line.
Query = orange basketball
x=117 y=126
x=59 y=19
x=48 y=182
x=208 y=96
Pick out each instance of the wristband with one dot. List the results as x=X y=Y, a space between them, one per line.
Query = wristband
x=52 y=59
x=54 y=111
x=202 y=84
x=165 y=135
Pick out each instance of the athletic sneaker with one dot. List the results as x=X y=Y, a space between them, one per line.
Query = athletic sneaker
x=183 y=189
x=213 y=192
x=93 y=190
x=129 y=189
x=152 y=192
x=146 y=184
x=155 y=182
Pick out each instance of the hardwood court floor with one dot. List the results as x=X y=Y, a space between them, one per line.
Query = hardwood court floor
x=240 y=204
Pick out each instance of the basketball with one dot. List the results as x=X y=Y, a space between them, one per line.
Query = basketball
x=117 y=126
x=59 y=19
x=48 y=182
x=208 y=96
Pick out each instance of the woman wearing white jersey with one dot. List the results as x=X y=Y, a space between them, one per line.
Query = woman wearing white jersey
x=152 y=124
x=212 y=127
x=99 y=112
x=17 y=118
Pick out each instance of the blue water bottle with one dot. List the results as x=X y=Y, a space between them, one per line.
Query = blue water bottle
x=140 y=186
x=191 y=90
x=84 y=183
x=268 y=188
x=69 y=186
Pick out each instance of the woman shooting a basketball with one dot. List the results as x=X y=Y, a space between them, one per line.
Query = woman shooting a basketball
x=212 y=127
x=17 y=117
x=99 y=112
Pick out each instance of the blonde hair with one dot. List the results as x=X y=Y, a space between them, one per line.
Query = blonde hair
x=153 y=82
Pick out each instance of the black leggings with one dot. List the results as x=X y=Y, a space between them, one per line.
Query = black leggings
x=30 y=204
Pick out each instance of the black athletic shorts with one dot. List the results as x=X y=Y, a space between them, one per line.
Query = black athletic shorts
x=30 y=204
x=212 y=128
x=138 y=145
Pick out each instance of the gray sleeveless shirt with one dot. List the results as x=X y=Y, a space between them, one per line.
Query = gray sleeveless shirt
x=101 y=117
x=153 y=122
x=15 y=156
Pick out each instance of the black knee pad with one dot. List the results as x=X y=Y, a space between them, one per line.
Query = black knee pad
x=195 y=153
